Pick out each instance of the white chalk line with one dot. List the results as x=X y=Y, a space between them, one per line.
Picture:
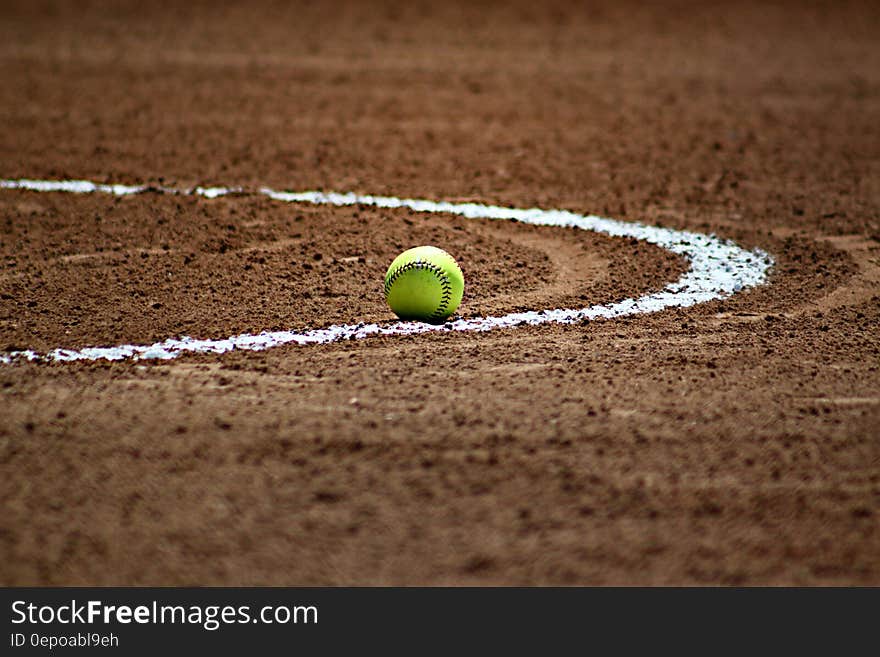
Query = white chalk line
x=718 y=269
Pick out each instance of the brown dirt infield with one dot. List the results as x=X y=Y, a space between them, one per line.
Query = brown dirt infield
x=735 y=442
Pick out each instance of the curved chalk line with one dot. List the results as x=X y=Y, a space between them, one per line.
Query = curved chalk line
x=718 y=269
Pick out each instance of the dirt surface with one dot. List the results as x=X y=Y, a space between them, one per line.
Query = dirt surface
x=736 y=442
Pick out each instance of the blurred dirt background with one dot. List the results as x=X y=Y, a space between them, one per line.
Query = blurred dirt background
x=737 y=442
